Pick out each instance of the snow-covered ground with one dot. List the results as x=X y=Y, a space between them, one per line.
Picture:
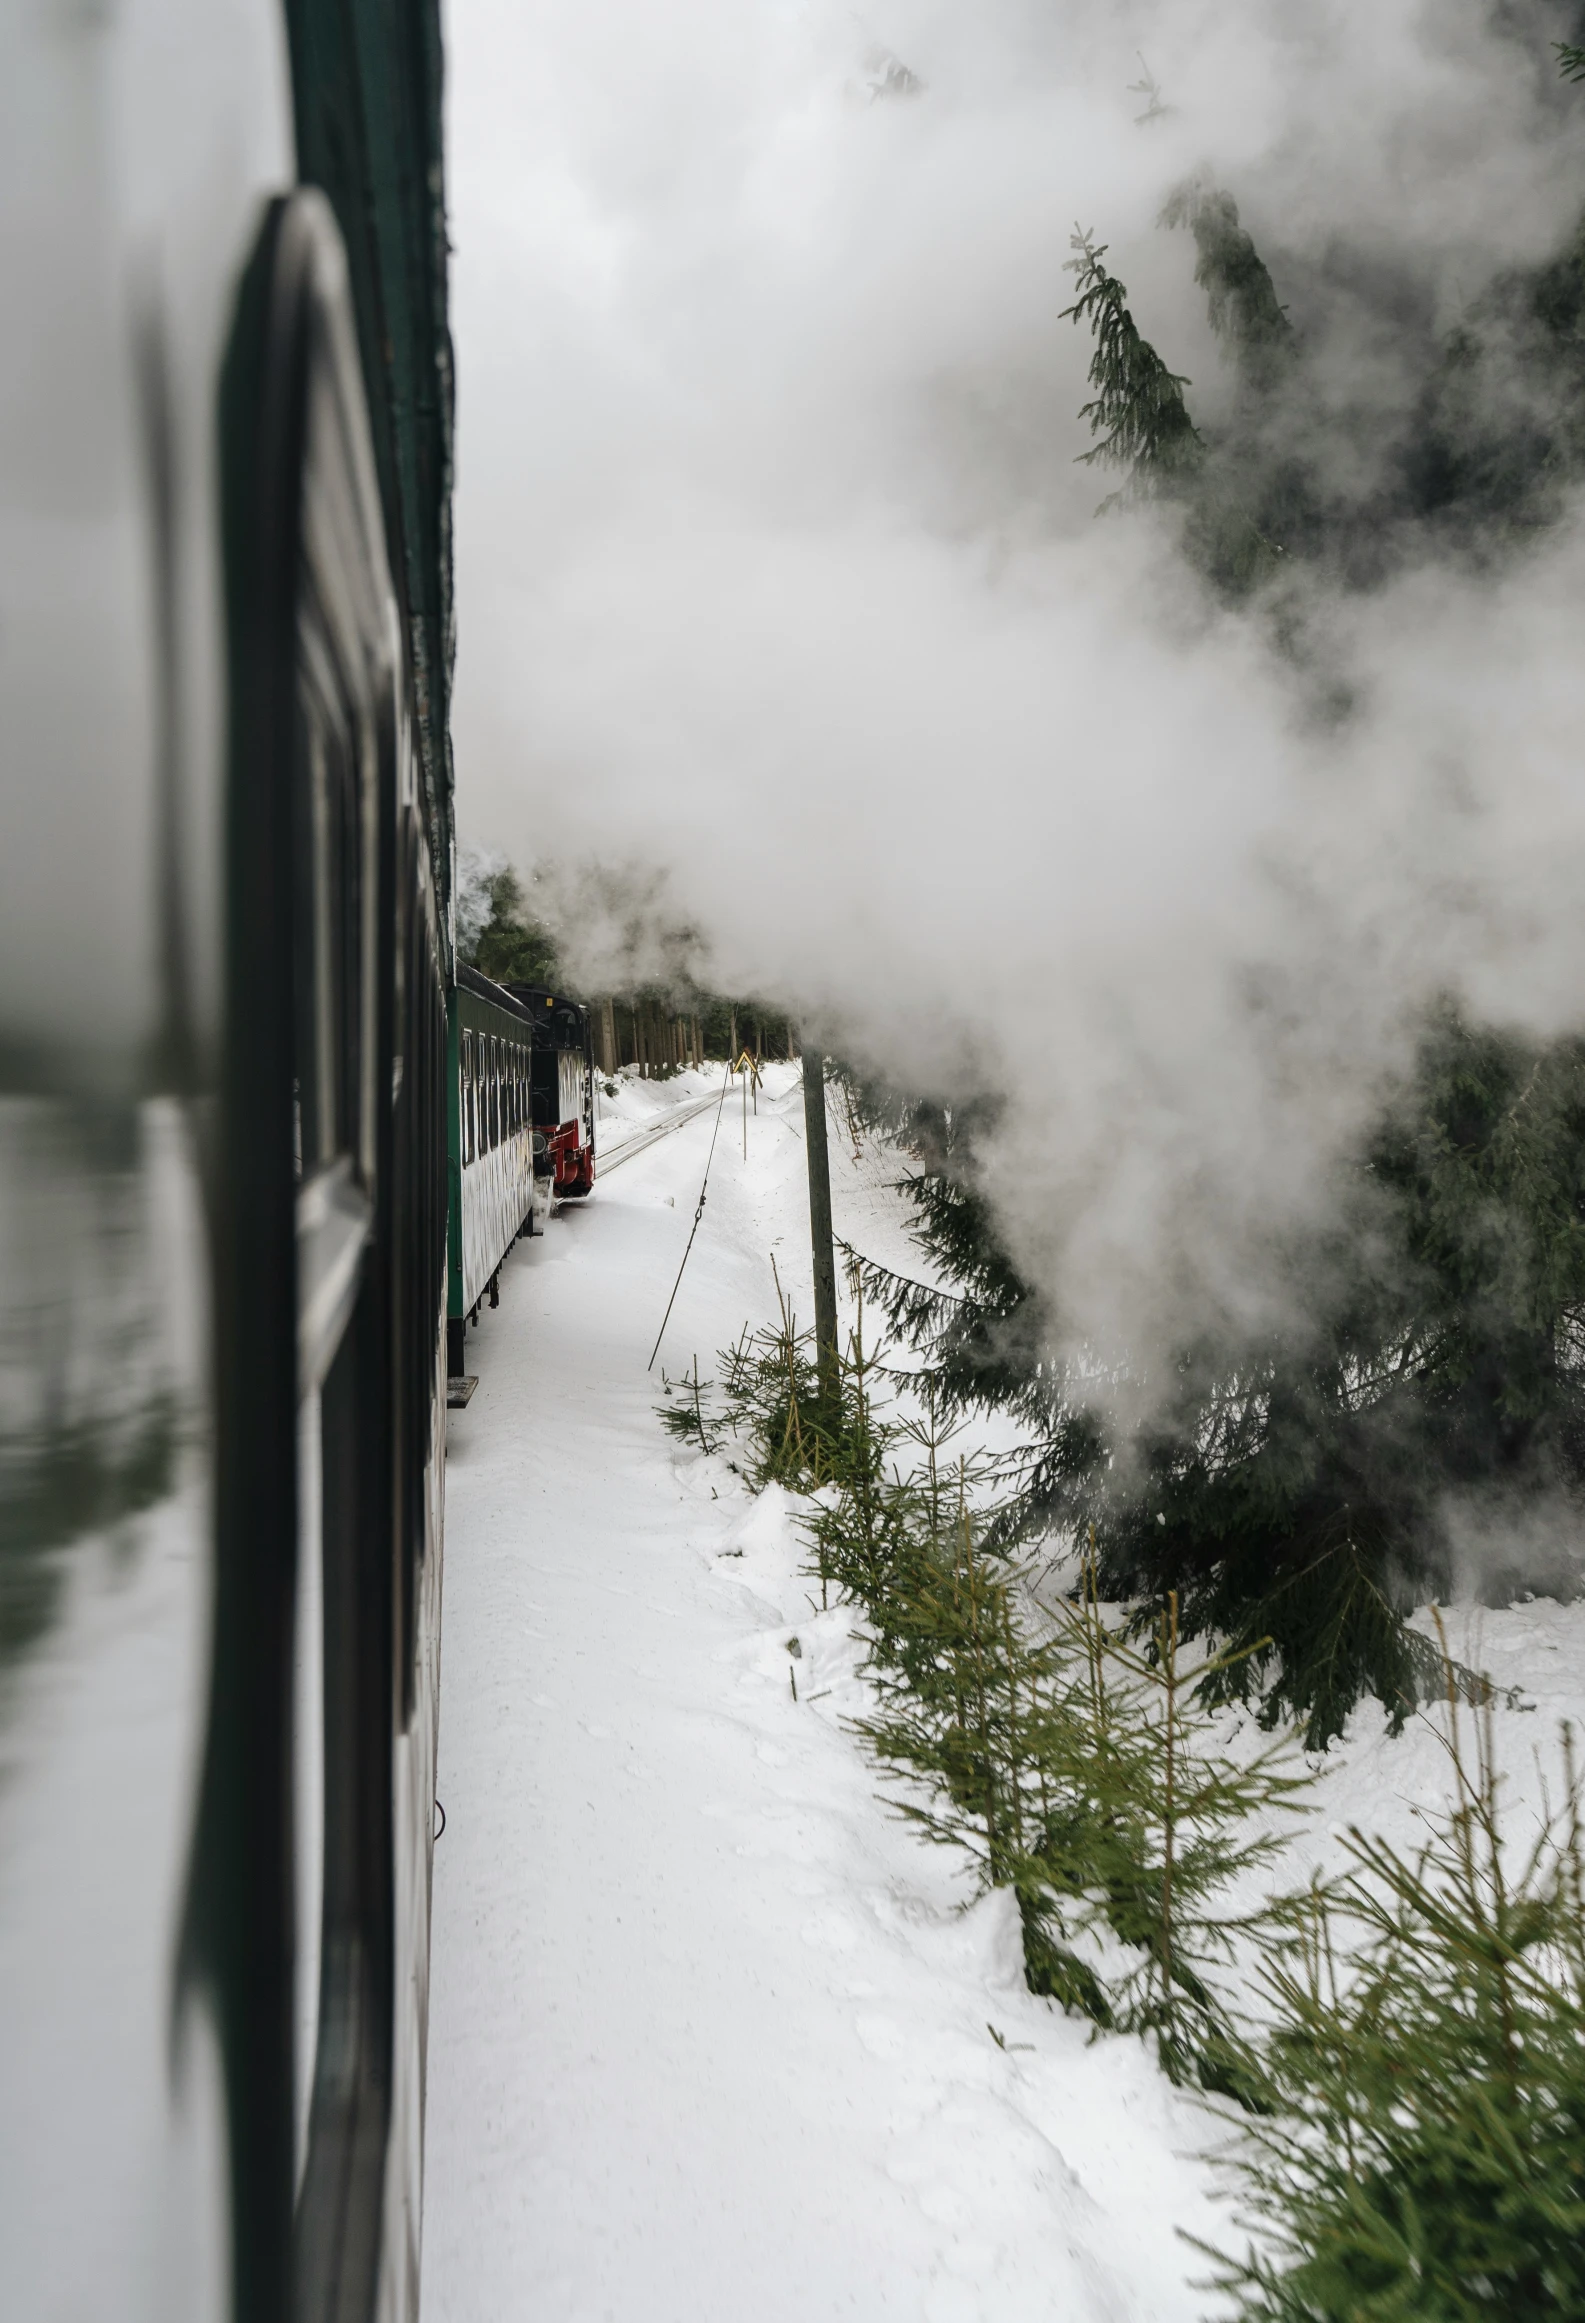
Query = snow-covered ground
x=625 y=1101
x=711 y=2034
x=630 y=1112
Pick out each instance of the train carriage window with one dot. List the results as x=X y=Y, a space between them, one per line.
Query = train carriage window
x=465 y=1094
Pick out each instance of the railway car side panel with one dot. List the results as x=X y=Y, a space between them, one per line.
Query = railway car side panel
x=493 y=1141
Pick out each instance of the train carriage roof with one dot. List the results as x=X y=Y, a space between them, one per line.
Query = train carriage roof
x=474 y=989
x=366 y=87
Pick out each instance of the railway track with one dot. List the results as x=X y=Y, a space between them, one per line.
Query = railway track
x=611 y=1157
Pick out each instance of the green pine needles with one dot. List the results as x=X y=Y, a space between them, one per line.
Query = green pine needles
x=1297 y=1492
x=767 y=1399
x=1138 y=410
x=1057 y=1756
x=1424 y=2150
x=1083 y=1774
x=1403 y=2045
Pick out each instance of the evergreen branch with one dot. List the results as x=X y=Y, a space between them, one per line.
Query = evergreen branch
x=909 y=1305
x=1138 y=409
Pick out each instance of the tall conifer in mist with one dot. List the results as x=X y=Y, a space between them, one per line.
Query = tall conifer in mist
x=1296 y=1488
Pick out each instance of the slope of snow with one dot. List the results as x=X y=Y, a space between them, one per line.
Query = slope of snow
x=625 y=1101
x=711 y=2031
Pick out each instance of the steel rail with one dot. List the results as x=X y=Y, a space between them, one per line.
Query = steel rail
x=608 y=1158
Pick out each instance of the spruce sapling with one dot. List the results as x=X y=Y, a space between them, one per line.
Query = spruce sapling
x=1425 y=2154
x=1184 y=1819
x=686 y=1418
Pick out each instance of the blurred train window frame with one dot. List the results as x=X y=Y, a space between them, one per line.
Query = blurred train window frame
x=324 y=1243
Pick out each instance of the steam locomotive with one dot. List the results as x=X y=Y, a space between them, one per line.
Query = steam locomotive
x=262 y=1149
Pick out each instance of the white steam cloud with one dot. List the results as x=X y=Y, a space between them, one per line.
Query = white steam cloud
x=778 y=578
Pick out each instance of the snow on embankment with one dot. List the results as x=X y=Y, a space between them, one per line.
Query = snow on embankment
x=625 y=1101
x=710 y=2029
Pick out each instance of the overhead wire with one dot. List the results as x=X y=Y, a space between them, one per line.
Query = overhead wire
x=726 y=1081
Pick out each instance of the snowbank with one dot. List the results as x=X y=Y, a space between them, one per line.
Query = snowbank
x=711 y=2032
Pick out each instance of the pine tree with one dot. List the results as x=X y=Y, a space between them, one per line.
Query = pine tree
x=1424 y=2150
x=1295 y=1489
x=512 y=947
x=1241 y=299
x=1138 y=410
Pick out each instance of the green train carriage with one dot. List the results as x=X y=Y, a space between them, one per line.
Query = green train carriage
x=494 y=1190
x=521 y=1063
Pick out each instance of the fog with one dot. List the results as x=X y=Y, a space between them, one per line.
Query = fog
x=782 y=594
